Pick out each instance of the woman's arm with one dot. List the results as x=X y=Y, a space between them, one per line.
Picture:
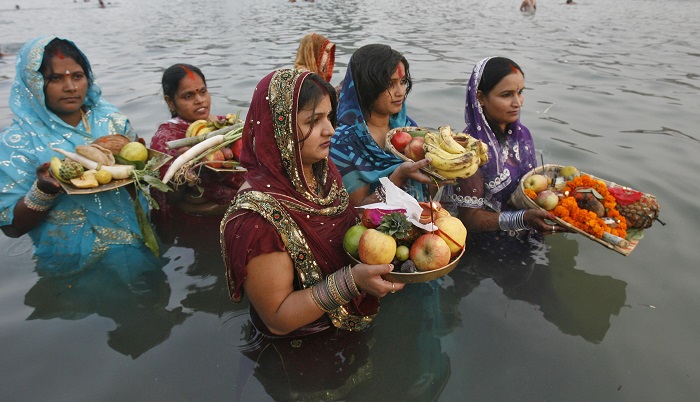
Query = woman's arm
x=480 y=220
x=269 y=287
x=408 y=170
x=31 y=210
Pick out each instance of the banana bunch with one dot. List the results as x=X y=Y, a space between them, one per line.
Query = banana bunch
x=449 y=158
x=203 y=127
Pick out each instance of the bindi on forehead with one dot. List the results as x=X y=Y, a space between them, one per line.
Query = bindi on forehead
x=400 y=70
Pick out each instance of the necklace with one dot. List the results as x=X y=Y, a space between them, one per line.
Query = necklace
x=313 y=184
x=85 y=122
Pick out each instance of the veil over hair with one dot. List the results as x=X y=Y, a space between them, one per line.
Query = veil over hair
x=272 y=155
x=497 y=177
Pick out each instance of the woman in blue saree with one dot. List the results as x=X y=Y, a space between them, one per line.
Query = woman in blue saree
x=57 y=103
x=372 y=102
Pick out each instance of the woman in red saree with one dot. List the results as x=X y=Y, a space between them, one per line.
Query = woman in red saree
x=282 y=236
x=185 y=92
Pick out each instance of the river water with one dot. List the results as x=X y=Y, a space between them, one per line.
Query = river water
x=613 y=87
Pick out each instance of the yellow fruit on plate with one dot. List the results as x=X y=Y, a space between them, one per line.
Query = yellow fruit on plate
x=134 y=152
x=103 y=176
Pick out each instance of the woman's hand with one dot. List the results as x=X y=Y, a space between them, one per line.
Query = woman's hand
x=45 y=182
x=368 y=279
x=536 y=219
x=410 y=170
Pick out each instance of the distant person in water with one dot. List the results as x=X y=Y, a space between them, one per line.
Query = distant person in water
x=528 y=6
x=570 y=2
x=102 y=4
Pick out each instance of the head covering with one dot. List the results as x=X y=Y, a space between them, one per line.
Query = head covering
x=359 y=158
x=79 y=229
x=518 y=144
x=316 y=53
x=307 y=223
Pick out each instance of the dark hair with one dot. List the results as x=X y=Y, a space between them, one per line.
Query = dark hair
x=172 y=76
x=64 y=48
x=495 y=70
x=372 y=67
x=312 y=90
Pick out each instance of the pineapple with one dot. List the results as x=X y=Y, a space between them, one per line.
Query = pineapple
x=641 y=213
x=396 y=225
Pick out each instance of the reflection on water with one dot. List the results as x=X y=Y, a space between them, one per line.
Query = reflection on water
x=138 y=307
x=577 y=302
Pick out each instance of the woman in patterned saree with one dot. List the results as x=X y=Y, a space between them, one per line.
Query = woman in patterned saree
x=282 y=236
x=492 y=114
x=58 y=104
x=186 y=94
x=372 y=102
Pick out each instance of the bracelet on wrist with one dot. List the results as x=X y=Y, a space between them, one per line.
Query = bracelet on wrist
x=512 y=220
x=380 y=193
x=37 y=200
x=336 y=290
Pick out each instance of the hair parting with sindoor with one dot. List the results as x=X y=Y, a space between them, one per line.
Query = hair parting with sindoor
x=172 y=76
x=495 y=70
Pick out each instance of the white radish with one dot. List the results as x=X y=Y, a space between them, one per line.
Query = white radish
x=117 y=171
x=191 y=154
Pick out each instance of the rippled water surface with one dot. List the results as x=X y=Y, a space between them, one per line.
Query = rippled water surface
x=612 y=87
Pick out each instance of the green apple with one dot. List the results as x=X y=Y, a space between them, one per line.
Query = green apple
x=352 y=240
x=402 y=253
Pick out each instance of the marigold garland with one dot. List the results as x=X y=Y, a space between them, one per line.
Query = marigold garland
x=569 y=211
x=530 y=194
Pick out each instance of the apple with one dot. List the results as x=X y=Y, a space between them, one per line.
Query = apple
x=402 y=253
x=453 y=231
x=215 y=159
x=547 y=199
x=400 y=139
x=237 y=147
x=430 y=252
x=351 y=240
x=414 y=149
x=536 y=183
x=376 y=247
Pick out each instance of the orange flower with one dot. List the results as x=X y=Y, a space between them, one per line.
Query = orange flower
x=530 y=194
x=587 y=221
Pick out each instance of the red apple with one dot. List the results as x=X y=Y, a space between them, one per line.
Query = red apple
x=215 y=159
x=547 y=199
x=237 y=147
x=536 y=183
x=430 y=252
x=414 y=149
x=400 y=139
x=376 y=247
x=453 y=231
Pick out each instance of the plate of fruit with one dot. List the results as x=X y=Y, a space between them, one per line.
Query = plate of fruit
x=610 y=214
x=387 y=236
x=452 y=155
x=107 y=163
